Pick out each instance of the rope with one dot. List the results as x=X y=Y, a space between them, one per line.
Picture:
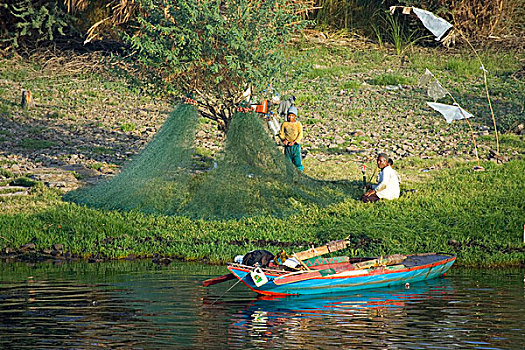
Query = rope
x=219 y=298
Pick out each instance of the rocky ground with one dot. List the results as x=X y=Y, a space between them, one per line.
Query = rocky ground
x=85 y=123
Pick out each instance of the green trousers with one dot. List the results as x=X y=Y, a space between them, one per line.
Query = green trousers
x=294 y=154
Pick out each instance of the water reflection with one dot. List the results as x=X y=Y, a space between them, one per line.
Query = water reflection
x=469 y=309
x=139 y=305
x=365 y=319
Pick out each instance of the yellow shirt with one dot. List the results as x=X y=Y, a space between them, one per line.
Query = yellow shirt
x=292 y=131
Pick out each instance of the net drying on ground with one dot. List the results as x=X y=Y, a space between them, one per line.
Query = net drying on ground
x=251 y=178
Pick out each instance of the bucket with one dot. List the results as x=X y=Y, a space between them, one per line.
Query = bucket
x=258 y=277
x=262 y=108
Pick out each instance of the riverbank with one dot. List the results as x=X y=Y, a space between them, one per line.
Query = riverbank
x=476 y=215
x=87 y=122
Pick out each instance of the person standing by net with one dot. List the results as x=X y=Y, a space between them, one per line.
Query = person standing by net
x=291 y=134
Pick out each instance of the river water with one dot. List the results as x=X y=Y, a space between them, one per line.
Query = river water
x=140 y=305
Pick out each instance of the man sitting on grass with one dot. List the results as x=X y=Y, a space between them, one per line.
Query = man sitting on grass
x=387 y=182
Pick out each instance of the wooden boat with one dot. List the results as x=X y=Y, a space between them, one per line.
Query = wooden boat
x=319 y=275
x=343 y=274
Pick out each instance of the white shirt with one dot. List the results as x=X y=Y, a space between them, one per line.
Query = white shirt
x=387 y=184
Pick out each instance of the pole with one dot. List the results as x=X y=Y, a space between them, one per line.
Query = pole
x=364 y=176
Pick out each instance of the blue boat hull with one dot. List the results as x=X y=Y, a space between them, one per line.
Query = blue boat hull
x=347 y=281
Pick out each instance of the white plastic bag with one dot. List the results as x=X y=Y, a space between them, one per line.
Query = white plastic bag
x=437 y=25
x=258 y=277
x=450 y=112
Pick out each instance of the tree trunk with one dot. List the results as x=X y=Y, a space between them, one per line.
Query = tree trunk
x=219 y=110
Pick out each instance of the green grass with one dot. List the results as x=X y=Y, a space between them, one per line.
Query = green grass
x=6 y=173
x=95 y=166
x=4 y=109
x=351 y=85
x=36 y=144
x=334 y=71
x=391 y=79
x=55 y=115
x=127 y=127
x=354 y=112
x=481 y=212
x=24 y=181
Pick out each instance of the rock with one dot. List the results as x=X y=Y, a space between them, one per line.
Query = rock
x=9 y=250
x=499 y=158
x=107 y=170
x=28 y=247
x=162 y=261
x=80 y=169
x=55 y=178
x=58 y=247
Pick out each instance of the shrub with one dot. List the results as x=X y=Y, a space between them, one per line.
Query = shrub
x=31 y=22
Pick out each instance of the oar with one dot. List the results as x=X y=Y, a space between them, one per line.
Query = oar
x=220 y=279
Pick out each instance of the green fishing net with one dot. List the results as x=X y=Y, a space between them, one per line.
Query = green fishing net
x=252 y=177
x=156 y=180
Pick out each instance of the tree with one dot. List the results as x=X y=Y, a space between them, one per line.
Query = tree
x=213 y=49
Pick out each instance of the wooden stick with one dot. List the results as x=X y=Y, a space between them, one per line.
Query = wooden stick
x=324 y=249
x=216 y=280
x=301 y=262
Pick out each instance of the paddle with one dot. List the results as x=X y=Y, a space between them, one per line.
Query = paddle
x=220 y=279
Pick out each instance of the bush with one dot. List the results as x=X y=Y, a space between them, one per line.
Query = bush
x=31 y=22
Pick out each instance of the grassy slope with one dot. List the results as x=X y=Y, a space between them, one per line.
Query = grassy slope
x=478 y=215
